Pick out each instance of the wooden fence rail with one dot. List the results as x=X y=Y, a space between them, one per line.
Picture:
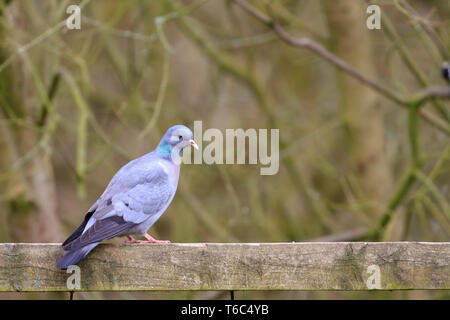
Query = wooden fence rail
x=230 y=266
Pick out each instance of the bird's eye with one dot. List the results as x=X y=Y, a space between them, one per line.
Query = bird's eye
x=180 y=137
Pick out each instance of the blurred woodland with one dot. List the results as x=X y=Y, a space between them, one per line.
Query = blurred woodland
x=363 y=114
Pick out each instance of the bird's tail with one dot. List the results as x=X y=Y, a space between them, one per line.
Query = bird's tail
x=75 y=256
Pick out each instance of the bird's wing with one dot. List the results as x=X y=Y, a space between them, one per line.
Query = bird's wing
x=141 y=191
x=79 y=230
x=144 y=191
x=135 y=172
x=101 y=230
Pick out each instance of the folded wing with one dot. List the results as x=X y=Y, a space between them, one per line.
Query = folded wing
x=134 y=195
x=101 y=230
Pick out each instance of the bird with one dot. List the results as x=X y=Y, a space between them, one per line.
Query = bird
x=446 y=71
x=135 y=198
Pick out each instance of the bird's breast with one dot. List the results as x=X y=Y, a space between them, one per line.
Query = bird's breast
x=172 y=171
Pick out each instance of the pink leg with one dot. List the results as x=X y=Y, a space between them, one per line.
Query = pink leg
x=153 y=240
x=131 y=240
x=149 y=238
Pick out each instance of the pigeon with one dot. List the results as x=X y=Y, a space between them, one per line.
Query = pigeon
x=137 y=195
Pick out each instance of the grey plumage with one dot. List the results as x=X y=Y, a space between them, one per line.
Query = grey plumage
x=136 y=197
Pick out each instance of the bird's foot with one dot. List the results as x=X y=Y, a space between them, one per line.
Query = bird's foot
x=149 y=238
x=131 y=240
x=153 y=241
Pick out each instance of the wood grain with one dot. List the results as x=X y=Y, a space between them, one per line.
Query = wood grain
x=230 y=266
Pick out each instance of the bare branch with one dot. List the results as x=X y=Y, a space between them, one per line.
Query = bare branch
x=344 y=66
x=432 y=92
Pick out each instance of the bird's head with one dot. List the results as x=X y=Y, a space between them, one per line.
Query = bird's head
x=175 y=140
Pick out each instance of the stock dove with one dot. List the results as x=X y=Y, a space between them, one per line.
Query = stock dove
x=135 y=198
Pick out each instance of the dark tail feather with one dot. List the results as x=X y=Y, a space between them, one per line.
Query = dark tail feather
x=79 y=230
x=75 y=256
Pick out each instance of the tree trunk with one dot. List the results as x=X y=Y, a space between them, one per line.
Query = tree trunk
x=360 y=106
x=30 y=189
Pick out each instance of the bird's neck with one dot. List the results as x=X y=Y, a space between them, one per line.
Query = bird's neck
x=164 y=150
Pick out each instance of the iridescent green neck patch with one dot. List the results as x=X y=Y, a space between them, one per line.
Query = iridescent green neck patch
x=164 y=150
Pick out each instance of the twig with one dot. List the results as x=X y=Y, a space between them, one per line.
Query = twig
x=435 y=192
x=318 y=49
x=161 y=94
x=36 y=40
x=350 y=235
x=342 y=65
x=226 y=63
x=407 y=182
x=440 y=217
x=120 y=32
x=413 y=104
x=45 y=109
x=389 y=29
x=82 y=134
x=396 y=199
x=432 y=92
x=440 y=164
x=412 y=14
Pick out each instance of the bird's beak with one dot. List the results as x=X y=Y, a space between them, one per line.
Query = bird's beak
x=192 y=143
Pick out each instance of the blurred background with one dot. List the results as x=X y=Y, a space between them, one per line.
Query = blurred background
x=76 y=105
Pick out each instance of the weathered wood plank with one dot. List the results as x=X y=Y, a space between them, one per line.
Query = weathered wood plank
x=232 y=266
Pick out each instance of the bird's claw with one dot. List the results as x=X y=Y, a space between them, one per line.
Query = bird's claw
x=149 y=240
x=132 y=241
x=153 y=241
